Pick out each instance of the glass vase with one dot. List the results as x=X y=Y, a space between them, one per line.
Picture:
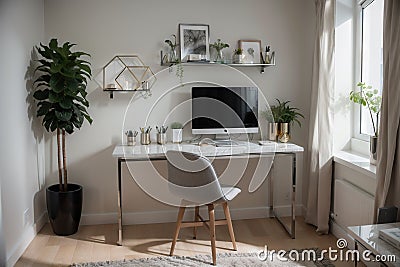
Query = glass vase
x=219 y=58
x=173 y=57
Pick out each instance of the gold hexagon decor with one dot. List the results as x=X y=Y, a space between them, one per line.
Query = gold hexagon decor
x=127 y=73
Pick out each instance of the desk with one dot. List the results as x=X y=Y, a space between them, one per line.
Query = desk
x=155 y=152
x=366 y=237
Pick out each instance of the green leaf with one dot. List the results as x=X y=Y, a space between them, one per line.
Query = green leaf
x=63 y=115
x=43 y=108
x=41 y=94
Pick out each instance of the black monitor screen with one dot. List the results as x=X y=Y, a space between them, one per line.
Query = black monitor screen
x=221 y=107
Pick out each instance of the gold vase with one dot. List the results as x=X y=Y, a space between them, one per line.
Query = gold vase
x=272 y=131
x=283 y=132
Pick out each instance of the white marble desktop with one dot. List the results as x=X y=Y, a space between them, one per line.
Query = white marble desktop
x=368 y=236
x=244 y=148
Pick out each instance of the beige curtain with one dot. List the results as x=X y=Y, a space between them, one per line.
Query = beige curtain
x=320 y=143
x=388 y=165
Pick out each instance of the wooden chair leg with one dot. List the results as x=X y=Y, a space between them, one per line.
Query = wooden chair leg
x=196 y=218
x=177 y=229
x=212 y=232
x=229 y=222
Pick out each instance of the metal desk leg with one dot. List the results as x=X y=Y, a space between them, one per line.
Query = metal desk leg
x=119 y=242
x=355 y=248
x=292 y=230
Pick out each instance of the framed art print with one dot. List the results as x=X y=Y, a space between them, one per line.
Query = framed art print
x=194 y=40
x=251 y=50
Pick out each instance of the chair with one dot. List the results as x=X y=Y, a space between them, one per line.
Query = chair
x=192 y=178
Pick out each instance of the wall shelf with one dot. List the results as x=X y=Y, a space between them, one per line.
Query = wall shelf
x=259 y=65
x=112 y=91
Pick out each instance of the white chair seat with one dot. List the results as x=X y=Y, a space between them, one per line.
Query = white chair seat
x=230 y=192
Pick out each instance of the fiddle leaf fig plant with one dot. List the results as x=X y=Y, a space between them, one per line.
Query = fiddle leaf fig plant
x=61 y=95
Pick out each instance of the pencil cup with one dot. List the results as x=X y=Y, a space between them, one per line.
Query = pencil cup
x=161 y=138
x=145 y=138
x=131 y=140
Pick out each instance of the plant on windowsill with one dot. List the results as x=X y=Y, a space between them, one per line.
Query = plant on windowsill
x=61 y=95
x=282 y=116
x=369 y=98
x=219 y=46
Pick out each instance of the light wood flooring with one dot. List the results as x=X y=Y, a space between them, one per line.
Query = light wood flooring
x=98 y=242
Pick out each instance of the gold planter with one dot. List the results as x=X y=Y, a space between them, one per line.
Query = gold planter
x=283 y=132
x=272 y=131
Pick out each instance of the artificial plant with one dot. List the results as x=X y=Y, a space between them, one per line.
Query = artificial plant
x=61 y=94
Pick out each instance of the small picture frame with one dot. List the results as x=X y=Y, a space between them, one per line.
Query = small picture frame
x=251 y=50
x=194 y=40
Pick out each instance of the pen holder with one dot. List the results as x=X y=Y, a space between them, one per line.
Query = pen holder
x=131 y=140
x=145 y=138
x=161 y=138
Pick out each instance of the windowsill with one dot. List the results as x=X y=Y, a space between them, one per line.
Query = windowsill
x=355 y=161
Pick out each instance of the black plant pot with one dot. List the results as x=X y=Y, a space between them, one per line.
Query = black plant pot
x=64 y=208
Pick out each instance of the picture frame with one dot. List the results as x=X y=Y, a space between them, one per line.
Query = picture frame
x=194 y=40
x=251 y=50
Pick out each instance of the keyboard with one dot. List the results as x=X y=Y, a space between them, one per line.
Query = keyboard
x=225 y=143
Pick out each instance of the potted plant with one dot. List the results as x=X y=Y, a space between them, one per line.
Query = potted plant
x=369 y=98
x=238 y=56
x=219 y=46
x=173 y=57
x=61 y=95
x=176 y=132
x=283 y=115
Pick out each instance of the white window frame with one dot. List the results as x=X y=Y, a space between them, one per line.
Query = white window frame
x=358 y=67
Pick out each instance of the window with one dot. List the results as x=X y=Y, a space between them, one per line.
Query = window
x=371 y=58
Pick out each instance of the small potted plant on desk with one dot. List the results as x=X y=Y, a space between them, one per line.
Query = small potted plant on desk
x=176 y=132
x=283 y=116
x=369 y=98
x=61 y=95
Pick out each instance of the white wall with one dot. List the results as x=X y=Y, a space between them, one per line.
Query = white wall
x=107 y=28
x=21 y=27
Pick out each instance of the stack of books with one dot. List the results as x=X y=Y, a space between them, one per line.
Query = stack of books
x=392 y=236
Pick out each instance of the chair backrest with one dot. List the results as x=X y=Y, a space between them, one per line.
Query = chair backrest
x=193 y=178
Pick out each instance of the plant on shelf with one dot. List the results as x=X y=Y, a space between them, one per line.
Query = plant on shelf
x=371 y=99
x=282 y=116
x=219 y=46
x=176 y=132
x=173 y=58
x=61 y=95
x=238 y=56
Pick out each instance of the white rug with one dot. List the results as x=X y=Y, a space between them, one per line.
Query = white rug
x=225 y=259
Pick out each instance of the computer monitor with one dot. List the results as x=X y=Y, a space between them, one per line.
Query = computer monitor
x=224 y=110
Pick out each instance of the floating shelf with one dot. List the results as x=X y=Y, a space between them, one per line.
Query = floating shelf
x=261 y=66
x=111 y=91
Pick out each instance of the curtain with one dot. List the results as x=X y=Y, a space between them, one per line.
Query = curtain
x=320 y=143
x=388 y=165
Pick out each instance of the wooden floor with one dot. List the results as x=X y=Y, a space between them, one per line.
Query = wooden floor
x=97 y=242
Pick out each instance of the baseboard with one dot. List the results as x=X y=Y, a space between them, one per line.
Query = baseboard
x=26 y=238
x=166 y=216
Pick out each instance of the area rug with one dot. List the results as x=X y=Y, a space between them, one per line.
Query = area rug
x=225 y=259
